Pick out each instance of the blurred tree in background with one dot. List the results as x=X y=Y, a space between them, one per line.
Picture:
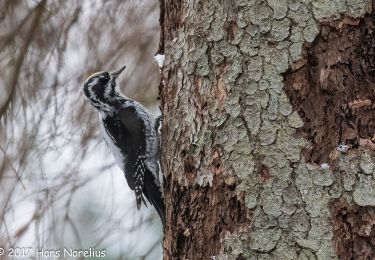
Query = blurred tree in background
x=59 y=185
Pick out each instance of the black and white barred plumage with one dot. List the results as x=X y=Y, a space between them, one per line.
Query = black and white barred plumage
x=132 y=134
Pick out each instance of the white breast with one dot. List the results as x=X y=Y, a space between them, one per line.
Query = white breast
x=120 y=159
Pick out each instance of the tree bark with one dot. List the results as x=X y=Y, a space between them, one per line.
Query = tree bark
x=268 y=129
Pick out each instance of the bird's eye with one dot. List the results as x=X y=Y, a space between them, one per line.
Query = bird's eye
x=105 y=76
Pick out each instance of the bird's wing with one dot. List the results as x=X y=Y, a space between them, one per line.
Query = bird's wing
x=141 y=179
x=135 y=126
x=133 y=142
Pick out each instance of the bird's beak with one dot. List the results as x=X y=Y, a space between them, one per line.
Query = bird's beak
x=117 y=72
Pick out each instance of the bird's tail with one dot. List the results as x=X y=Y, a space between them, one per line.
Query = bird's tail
x=160 y=208
x=154 y=195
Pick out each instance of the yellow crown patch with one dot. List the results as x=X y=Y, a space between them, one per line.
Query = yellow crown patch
x=95 y=74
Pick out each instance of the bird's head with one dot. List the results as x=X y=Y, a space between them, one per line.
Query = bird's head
x=100 y=87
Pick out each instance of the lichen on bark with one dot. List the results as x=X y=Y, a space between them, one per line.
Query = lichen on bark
x=227 y=116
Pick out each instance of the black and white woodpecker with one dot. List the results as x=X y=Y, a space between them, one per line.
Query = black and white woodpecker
x=132 y=134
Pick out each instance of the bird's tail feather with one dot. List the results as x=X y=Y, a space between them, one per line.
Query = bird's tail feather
x=154 y=195
x=160 y=208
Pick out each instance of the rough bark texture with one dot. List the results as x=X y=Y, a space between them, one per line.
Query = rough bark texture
x=354 y=235
x=242 y=150
x=333 y=87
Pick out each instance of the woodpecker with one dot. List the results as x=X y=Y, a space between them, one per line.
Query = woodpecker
x=132 y=134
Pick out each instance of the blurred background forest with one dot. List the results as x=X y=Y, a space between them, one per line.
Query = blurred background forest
x=59 y=184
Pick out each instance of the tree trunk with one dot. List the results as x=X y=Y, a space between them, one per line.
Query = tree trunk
x=269 y=123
